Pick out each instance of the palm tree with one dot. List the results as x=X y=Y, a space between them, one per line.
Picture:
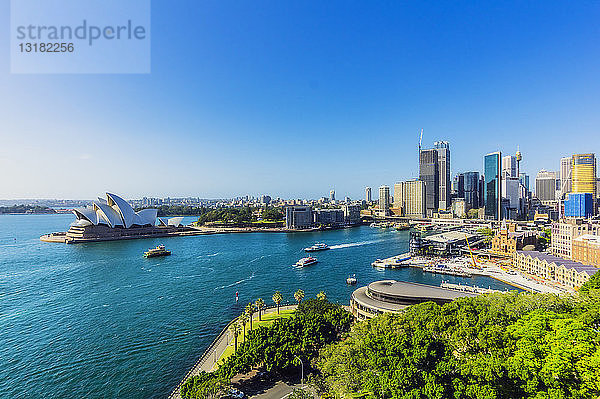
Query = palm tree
x=235 y=329
x=321 y=296
x=244 y=320
x=277 y=298
x=250 y=310
x=260 y=305
x=299 y=296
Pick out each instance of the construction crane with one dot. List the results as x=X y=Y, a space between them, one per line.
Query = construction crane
x=470 y=251
x=562 y=193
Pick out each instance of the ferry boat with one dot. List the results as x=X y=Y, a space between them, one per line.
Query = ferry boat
x=399 y=261
x=402 y=226
x=317 y=247
x=351 y=280
x=306 y=262
x=158 y=251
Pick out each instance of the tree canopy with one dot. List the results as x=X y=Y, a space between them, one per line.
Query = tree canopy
x=510 y=345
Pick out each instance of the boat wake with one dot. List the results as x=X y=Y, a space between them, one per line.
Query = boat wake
x=355 y=244
x=215 y=254
x=236 y=283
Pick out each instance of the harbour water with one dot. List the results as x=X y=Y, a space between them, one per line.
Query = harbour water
x=100 y=321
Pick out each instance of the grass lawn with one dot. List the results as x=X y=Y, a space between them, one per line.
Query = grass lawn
x=267 y=320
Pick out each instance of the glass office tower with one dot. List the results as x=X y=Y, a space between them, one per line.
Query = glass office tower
x=492 y=166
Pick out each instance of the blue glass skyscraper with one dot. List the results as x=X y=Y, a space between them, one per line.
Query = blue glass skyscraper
x=492 y=164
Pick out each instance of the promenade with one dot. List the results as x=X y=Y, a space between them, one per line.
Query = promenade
x=212 y=354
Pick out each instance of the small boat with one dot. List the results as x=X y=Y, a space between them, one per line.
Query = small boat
x=317 y=247
x=402 y=226
x=158 y=251
x=306 y=262
x=351 y=280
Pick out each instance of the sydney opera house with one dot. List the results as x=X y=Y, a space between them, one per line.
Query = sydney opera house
x=114 y=219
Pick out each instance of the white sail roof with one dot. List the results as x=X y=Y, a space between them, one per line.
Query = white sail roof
x=115 y=211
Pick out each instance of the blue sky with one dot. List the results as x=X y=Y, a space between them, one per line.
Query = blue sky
x=295 y=98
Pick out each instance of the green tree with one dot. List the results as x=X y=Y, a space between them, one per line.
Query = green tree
x=277 y=298
x=300 y=394
x=299 y=296
x=321 y=295
x=473 y=213
x=235 y=330
x=244 y=320
x=260 y=306
x=204 y=386
x=250 y=310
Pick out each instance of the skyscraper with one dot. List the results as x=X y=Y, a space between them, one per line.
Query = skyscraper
x=524 y=180
x=545 y=185
x=458 y=186
x=584 y=174
x=429 y=173
x=444 y=197
x=566 y=172
x=410 y=197
x=492 y=186
x=384 y=199
x=509 y=166
x=332 y=195
x=368 y=194
x=471 y=190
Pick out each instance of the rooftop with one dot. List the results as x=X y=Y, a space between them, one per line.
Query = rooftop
x=591 y=238
x=449 y=237
x=569 y=264
x=415 y=290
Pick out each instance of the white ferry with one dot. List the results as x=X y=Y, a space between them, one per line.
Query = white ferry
x=351 y=280
x=306 y=262
x=317 y=247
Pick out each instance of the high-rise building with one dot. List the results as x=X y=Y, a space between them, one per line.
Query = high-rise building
x=444 y=197
x=384 y=199
x=579 y=205
x=493 y=186
x=410 y=197
x=471 y=190
x=524 y=180
x=368 y=194
x=584 y=174
x=566 y=171
x=545 y=185
x=509 y=166
x=458 y=186
x=429 y=173
x=332 y=195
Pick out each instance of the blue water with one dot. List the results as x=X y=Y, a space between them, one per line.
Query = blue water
x=100 y=321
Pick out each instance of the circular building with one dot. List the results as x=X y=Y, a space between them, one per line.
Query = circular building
x=393 y=296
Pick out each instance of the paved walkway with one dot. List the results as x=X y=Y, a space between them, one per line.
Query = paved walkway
x=210 y=357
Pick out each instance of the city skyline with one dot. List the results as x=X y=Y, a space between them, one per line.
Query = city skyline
x=230 y=114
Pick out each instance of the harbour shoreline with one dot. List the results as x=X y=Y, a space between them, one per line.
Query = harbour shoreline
x=61 y=237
